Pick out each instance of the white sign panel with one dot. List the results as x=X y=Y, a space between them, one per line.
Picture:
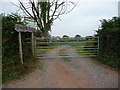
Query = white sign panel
x=24 y=28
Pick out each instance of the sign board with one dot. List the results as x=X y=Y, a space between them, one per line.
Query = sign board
x=30 y=21
x=24 y=28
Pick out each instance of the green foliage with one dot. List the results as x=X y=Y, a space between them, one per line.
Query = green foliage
x=9 y=35
x=45 y=12
x=110 y=41
x=10 y=48
x=12 y=69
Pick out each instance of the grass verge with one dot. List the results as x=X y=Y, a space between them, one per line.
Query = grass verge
x=14 y=70
x=110 y=61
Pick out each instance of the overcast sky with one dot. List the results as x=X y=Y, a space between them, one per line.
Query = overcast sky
x=83 y=20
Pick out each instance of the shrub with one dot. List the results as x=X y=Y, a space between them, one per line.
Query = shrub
x=11 y=65
x=110 y=41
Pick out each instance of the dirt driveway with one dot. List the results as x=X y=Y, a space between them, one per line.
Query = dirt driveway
x=68 y=73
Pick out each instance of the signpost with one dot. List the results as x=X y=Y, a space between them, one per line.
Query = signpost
x=23 y=28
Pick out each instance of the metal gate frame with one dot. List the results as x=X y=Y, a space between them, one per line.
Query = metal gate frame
x=87 y=49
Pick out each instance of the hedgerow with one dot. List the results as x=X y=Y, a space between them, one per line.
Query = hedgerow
x=11 y=65
x=109 y=34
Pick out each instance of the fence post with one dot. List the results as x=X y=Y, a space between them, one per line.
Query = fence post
x=20 y=48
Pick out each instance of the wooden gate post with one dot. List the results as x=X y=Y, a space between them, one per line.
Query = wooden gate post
x=33 y=45
x=20 y=48
x=23 y=28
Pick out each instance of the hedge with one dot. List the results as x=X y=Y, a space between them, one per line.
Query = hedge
x=110 y=42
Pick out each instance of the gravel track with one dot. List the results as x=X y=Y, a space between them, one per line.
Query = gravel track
x=76 y=73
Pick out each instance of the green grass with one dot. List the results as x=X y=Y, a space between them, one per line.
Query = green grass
x=12 y=71
x=80 y=43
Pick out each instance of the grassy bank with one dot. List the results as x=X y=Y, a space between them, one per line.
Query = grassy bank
x=14 y=70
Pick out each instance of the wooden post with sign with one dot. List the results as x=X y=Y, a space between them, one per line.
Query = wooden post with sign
x=22 y=28
x=35 y=45
x=33 y=49
x=20 y=47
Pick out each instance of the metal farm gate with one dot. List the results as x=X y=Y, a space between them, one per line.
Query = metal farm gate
x=82 y=46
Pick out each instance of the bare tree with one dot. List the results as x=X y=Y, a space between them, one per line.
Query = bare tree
x=46 y=11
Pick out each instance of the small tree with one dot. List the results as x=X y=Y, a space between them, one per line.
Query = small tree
x=77 y=37
x=65 y=36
